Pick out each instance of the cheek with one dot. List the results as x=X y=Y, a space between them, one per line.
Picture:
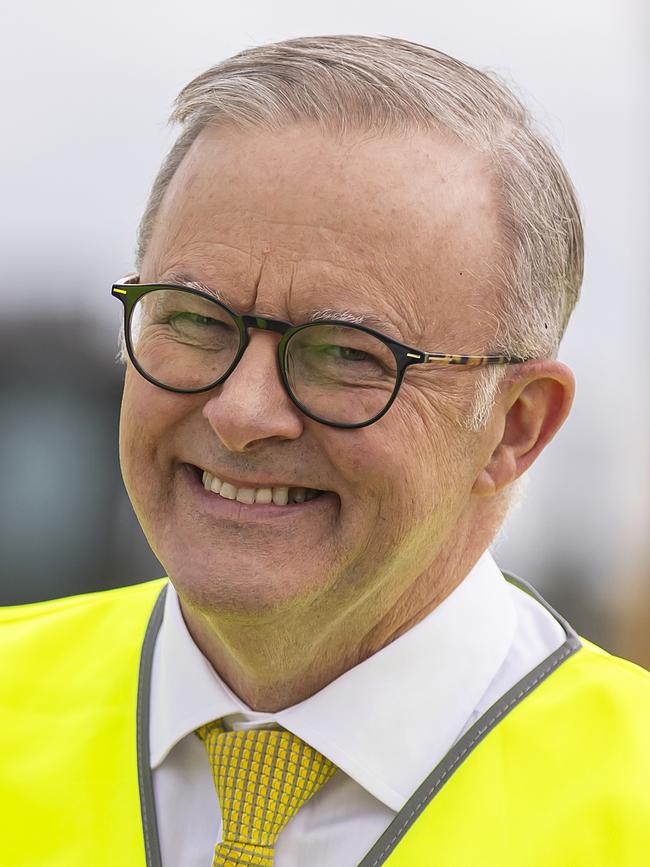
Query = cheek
x=133 y=434
x=146 y=414
x=422 y=458
x=395 y=469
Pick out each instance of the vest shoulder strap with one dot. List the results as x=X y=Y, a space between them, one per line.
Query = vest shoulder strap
x=562 y=779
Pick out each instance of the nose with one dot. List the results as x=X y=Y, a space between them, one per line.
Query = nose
x=252 y=406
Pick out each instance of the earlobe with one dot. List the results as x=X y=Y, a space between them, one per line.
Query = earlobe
x=535 y=409
x=500 y=471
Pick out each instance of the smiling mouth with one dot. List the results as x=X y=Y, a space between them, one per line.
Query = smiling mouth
x=278 y=495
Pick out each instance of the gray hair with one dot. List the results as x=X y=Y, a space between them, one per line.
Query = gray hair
x=385 y=85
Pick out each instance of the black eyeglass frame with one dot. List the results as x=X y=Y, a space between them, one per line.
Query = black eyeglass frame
x=129 y=291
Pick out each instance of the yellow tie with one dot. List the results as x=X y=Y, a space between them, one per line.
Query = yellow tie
x=263 y=778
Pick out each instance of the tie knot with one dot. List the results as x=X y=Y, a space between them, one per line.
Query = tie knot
x=262 y=778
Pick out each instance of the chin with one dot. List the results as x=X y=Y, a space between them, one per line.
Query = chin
x=239 y=594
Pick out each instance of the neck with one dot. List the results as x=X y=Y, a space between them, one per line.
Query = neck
x=275 y=661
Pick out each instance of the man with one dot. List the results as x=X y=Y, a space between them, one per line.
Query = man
x=354 y=272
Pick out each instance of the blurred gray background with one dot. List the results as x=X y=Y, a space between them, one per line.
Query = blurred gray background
x=86 y=90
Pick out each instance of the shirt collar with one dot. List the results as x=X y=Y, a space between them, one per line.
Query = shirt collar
x=387 y=721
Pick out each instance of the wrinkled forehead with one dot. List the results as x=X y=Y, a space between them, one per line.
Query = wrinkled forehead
x=290 y=221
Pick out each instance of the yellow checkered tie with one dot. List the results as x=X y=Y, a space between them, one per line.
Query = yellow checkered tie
x=262 y=777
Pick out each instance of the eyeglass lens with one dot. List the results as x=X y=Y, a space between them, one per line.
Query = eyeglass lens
x=338 y=373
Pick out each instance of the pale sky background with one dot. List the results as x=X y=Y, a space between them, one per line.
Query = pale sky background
x=87 y=88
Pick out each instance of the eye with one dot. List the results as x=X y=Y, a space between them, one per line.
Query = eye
x=346 y=353
x=192 y=317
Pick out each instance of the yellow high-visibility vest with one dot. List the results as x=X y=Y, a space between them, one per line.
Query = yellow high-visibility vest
x=555 y=774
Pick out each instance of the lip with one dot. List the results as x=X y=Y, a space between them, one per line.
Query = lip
x=242 y=513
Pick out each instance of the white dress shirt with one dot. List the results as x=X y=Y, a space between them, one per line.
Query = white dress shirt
x=386 y=723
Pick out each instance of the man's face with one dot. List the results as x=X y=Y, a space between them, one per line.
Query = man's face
x=285 y=225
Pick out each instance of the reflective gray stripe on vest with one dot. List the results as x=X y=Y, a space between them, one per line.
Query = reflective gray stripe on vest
x=145 y=781
x=425 y=792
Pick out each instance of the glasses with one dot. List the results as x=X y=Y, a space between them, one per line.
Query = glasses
x=336 y=372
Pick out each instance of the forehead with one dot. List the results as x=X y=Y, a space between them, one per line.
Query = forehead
x=292 y=221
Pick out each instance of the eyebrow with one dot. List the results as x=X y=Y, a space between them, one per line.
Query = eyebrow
x=371 y=320
x=180 y=277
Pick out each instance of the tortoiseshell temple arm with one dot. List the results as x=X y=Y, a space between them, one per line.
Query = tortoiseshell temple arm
x=471 y=360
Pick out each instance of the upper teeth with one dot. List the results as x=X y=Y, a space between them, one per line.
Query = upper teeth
x=279 y=495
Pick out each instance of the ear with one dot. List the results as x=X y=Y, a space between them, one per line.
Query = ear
x=532 y=410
